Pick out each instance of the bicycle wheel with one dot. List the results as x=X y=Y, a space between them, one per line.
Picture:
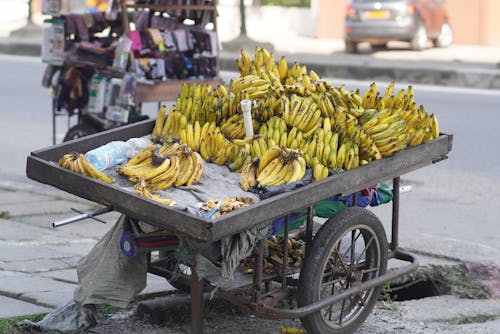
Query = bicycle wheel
x=349 y=249
x=79 y=130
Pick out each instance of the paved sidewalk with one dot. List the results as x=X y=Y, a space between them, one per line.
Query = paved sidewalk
x=37 y=262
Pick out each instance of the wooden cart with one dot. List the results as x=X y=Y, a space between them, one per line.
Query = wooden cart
x=345 y=264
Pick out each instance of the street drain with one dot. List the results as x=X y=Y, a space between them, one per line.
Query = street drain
x=413 y=290
x=436 y=280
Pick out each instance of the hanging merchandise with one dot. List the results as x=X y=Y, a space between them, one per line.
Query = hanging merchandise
x=52 y=51
x=122 y=53
x=96 y=94
x=51 y=7
x=111 y=12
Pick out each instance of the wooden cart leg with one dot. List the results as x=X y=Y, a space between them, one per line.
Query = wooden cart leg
x=196 y=301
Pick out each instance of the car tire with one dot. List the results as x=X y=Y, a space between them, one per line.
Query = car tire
x=351 y=46
x=420 y=39
x=378 y=47
x=445 y=37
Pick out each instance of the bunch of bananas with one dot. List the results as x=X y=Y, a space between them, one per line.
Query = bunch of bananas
x=204 y=103
x=214 y=147
x=242 y=156
x=234 y=127
x=140 y=189
x=277 y=166
x=77 y=162
x=295 y=249
x=293 y=108
x=169 y=126
x=159 y=169
x=302 y=113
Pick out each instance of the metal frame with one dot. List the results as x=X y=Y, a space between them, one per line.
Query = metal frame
x=41 y=167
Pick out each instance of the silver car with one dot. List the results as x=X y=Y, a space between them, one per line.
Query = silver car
x=380 y=21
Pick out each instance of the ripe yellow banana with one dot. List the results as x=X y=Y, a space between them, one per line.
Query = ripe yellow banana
x=197 y=170
x=160 y=119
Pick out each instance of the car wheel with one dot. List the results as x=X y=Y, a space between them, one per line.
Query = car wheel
x=445 y=37
x=419 y=41
x=351 y=46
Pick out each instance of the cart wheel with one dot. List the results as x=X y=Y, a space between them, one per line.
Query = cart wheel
x=171 y=264
x=78 y=131
x=350 y=248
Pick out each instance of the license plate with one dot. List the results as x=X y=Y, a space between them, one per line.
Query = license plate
x=377 y=15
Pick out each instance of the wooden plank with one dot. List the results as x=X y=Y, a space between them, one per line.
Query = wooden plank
x=167 y=90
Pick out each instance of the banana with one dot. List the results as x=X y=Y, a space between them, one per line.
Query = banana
x=282 y=68
x=277 y=178
x=269 y=155
x=186 y=165
x=190 y=136
x=306 y=82
x=297 y=171
x=248 y=176
x=142 y=155
x=434 y=126
x=271 y=169
x=160 y=119
x=199 y=167
x=341 y=155
x=314 y=76
x=377 y=128
x=160 y=169
x=93 y=172
x=143 y=191
x=384 y=134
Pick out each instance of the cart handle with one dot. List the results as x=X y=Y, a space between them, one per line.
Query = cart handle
x=82 y=216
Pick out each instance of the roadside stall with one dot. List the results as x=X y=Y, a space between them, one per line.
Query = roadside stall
x=261 y=182
x=102 y=65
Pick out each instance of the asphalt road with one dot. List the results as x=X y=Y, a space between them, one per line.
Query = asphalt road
x=452 y=209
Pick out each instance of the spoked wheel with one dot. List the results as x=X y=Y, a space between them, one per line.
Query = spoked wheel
x=78 y=131
x=349 y=249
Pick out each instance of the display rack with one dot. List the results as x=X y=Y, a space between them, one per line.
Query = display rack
x=161 y=89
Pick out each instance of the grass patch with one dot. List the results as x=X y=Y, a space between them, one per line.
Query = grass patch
x=10 y=326
x=472 y=319
x=4 y=214
x=108 y=309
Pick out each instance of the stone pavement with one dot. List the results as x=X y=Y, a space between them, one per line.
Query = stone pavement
x=37 y=262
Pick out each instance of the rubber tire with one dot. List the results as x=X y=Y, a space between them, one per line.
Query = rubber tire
x=312 y=268
x=378 y=47
x=78 y=131
x=417 y=42
x=351 y=46
x=445 y=37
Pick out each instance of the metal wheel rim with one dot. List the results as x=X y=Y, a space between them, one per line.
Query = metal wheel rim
x=347 y=312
